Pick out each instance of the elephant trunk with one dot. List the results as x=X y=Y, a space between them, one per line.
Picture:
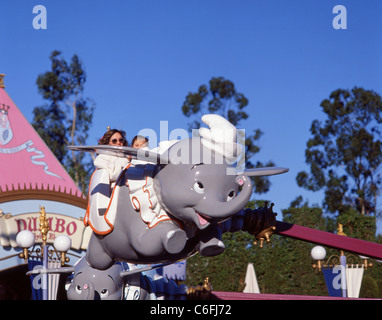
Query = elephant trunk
x=225 y=209
x=89 y=292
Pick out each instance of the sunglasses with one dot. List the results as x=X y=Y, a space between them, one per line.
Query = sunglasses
x=121 y=140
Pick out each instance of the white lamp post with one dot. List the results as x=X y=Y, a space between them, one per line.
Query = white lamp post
x=25 y=239
x=318 y=253
x=350 y=277
x=62 y=244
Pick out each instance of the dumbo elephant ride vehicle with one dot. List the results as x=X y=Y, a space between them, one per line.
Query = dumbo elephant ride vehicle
x=170 y=202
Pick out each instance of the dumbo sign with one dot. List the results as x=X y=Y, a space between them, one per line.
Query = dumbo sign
x=11 y=225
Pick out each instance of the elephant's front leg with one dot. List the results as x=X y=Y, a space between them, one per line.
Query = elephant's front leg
x=166 y=236
x=211 y=243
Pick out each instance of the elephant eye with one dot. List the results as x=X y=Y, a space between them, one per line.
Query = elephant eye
x=78 y=289
x=198 y=187
x=231 y=195
x=104 y=293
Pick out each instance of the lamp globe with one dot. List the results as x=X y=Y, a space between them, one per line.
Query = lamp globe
x=25 y=239
x=62 y=243
x=318 y=253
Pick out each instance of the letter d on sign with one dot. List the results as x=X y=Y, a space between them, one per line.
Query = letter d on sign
x=39 y=21
x=339 y=21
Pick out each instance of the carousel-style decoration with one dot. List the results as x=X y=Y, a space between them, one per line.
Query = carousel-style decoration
x=40 y=251
x=43 y=251
x=344 y=272
x=29 y=169
x=318 y=253
x=200 y=292
x=2 y=75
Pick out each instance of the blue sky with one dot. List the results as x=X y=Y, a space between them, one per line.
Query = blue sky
x=143 y=57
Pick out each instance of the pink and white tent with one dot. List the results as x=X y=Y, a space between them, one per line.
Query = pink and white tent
x=28 y=168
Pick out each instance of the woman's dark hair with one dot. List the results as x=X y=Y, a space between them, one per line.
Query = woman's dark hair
x=108 y=134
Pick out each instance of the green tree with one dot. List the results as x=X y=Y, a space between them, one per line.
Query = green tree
x=358 y=226
x=221 y=97
x=67 y=117
x=370 y=288
x=345 y=152
x=293 y=256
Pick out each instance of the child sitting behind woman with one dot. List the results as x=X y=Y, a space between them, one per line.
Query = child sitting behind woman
x=139 y=142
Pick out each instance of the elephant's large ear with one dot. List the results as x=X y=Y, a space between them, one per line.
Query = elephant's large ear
x=125 y=152
x=266 y=171
x=52 y=270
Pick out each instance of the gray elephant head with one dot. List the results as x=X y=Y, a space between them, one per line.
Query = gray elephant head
x=121 y=281
x=92 y=284
x=197 y=185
